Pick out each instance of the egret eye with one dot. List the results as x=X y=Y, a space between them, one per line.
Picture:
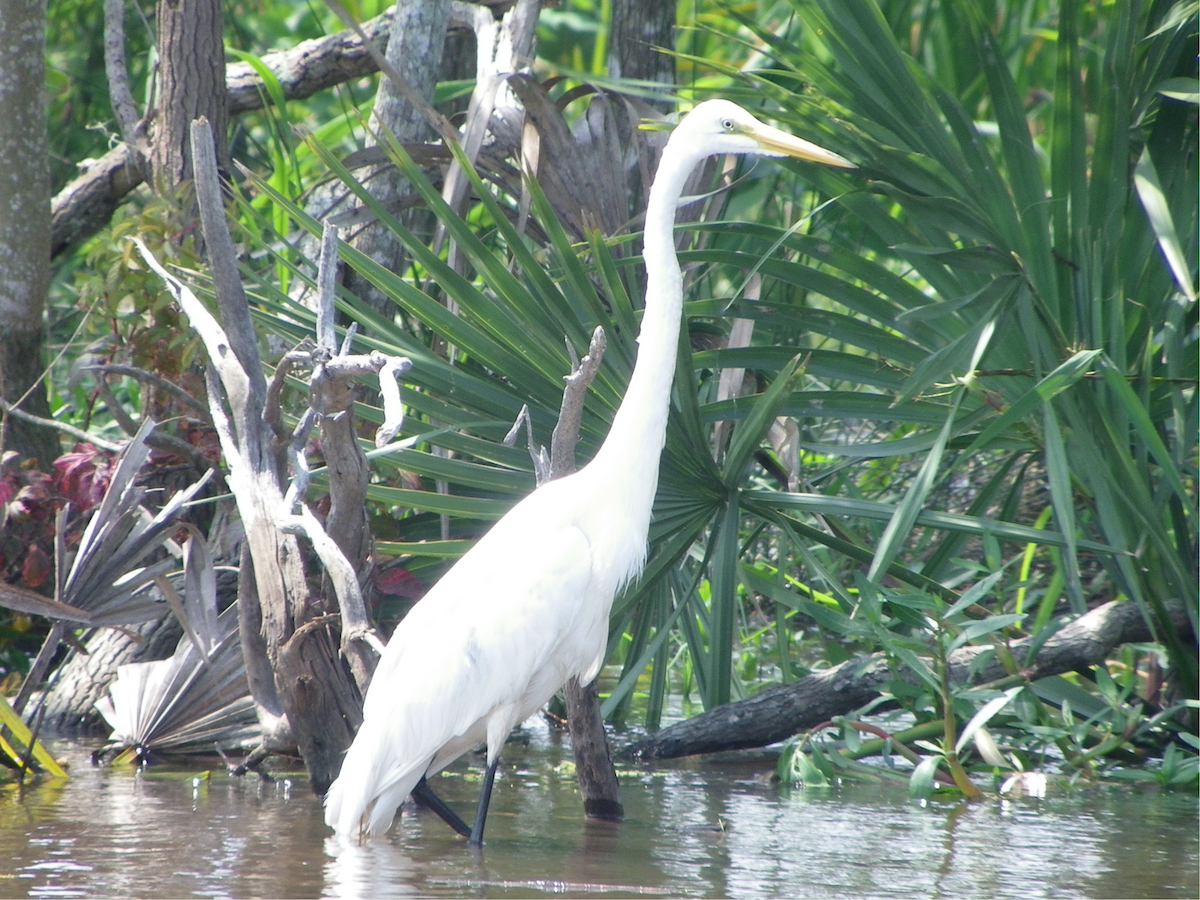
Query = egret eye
x=727 y=124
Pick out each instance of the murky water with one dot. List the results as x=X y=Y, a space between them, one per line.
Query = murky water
x=707 y=828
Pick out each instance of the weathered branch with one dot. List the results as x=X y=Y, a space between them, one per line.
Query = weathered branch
x=344 y=542
x=782 y=711
x=589 y=743
x=227 y=281
x=304 y=681
x=152 y=380
x=570 y=413
x=64 y=427
x=166 y=442
x=505 y=47
x=309 y=67
x=87 y=204
x=117 y=75
x=537 y=453
x=393 y=409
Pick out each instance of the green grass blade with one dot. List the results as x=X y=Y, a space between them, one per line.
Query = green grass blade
x=1150 y=192
x=1062 y=498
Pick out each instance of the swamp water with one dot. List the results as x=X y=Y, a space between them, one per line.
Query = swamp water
x=713 y=827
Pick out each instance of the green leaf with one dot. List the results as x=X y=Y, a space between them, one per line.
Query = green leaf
x=920 y=783
x=1185 y=89
x=951 y=359
x=1065 y=375
x=1150 y=192
x=824 y=504
x=751 y=431
x=976 y=594
x=975 y=630
x=726 y=550
x=986 y=713
x=1062 y=498
x=909 y=508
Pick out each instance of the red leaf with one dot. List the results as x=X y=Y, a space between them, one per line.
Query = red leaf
x=32 y=498
x=399 y=582
x=83 y=476
x=37 y=567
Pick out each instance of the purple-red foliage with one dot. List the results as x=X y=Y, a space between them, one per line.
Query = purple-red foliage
x=29 y=502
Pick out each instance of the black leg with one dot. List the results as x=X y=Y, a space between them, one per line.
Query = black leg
x=424 y=793
x=485 y=797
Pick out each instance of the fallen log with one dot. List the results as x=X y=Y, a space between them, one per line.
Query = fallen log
x=779 y=712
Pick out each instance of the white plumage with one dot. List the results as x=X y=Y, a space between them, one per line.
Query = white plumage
x=527 y=608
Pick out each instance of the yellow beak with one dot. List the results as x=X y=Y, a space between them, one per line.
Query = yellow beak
x=789 y=145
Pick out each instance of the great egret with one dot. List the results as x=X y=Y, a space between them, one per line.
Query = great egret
x=527 y=607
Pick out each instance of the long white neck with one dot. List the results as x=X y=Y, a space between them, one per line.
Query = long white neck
x=630 y=454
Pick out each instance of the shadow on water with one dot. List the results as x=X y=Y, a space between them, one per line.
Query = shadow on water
x=710 y=828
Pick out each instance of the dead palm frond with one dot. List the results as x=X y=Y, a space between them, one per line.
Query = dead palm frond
x=195 y=698
x=105 y=583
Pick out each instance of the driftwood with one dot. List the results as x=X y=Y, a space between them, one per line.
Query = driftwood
x=779 y=712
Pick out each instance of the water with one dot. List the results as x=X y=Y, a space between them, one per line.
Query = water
x=714 y=827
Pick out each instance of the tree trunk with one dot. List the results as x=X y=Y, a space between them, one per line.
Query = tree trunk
x=637 y=31
x=191 y=84
x=24 y=225
x=418 y=38
x=589 y=745
x=777 y=713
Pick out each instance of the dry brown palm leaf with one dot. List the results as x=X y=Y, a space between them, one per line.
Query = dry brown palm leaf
x=190 y=701
x=105 y=579
x=200 y=694
x=590 y=172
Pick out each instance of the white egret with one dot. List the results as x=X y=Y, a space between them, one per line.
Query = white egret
x=527 y=607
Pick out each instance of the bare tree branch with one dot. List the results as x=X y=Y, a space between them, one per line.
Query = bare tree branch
x=86 y=205
x=117 y=74
x=589 y=743
x=155 y=381
x=570 y=414
x=64 y=427
x=227 y=281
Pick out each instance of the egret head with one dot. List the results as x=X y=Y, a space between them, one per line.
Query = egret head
x=719 y=126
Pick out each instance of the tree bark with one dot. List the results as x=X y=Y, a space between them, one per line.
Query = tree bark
x=777 y=713
x=87 y=204
x=191 y=85
x=24 y=225
x=418 y=37
x=331 y=714
x=639 y=31
x=589 y=743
